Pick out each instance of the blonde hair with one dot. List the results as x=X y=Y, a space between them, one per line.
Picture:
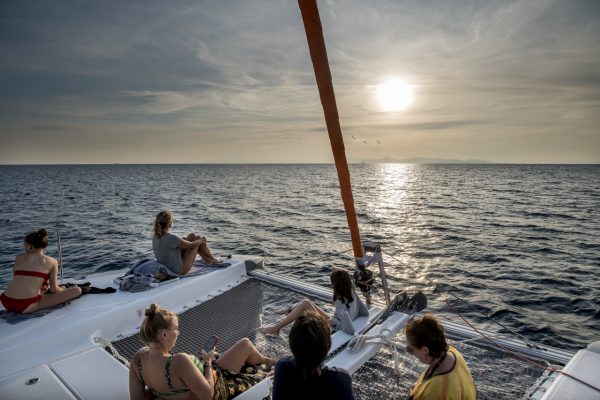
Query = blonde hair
x=156 y=319
x=163 y=221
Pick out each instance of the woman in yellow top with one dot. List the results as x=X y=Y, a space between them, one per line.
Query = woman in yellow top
x=447 y=376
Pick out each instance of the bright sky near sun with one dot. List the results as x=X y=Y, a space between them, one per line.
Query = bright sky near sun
x=231 y=81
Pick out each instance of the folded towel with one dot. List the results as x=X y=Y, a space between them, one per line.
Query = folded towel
x=15 y=318
x=136 y=283
x=148 y=273
x=151 y=267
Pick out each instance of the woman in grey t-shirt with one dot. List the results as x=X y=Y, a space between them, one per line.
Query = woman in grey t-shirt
x=176 y=253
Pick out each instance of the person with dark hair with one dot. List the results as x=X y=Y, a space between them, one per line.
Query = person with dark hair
x=348 y=306
x=302 y=376
x=447 y=376
x=155 y=372
x=33 y=272
x=176 y=253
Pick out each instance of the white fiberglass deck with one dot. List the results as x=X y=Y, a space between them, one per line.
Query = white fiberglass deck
x=58 y=355
x=71 y=330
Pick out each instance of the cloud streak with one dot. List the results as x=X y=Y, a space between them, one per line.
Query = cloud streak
x=524 y=75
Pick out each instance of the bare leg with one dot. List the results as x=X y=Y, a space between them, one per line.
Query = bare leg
x=304 y=305
x=203 y=250
x=241 y=353
x=284 y=311
x=189 y=255
x=53 y=299
x=206 y=254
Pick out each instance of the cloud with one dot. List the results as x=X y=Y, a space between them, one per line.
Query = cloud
x=237 y=73
x=364 y=141
x=417 y=126
x=166 y=102
x=50 y=128
x=440 y=125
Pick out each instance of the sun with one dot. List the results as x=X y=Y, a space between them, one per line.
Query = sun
x=394 y=95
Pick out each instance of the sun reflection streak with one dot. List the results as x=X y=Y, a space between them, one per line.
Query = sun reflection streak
x=397 y=208
x=393 y=183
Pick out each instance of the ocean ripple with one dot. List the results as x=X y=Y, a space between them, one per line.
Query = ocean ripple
x=519 y=242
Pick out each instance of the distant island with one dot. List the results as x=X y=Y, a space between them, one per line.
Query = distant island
x=424 y=160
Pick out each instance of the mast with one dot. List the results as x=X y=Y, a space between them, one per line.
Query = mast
x=318 y=55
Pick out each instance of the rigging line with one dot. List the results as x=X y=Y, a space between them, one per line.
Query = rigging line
x=513 y=292
x=488 y=316
x=437 y=287
x=510 y=309
x=517 y=355
x=60 y=260
x=525 y=340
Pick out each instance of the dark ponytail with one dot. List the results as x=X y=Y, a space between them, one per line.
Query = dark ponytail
x=342 y=285
x=38 y=240
x=310 y=340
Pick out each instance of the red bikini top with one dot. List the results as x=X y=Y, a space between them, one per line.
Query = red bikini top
x=32 y=273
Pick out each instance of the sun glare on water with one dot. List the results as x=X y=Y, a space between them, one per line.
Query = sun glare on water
x=394 y=95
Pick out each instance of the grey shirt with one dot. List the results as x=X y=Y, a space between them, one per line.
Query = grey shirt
x=345 y=314
x=166 y=251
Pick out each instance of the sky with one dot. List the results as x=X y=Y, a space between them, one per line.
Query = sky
x=178 y=81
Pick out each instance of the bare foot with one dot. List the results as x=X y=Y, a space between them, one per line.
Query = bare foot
x=270 y=330
x=270 y=363
x=212 y=261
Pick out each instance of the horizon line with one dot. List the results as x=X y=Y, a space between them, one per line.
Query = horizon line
x=483 y=162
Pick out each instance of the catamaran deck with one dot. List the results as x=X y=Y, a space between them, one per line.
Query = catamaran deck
x=498 y=375
x=65 y=354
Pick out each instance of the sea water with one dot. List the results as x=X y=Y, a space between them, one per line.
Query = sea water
x=519 y=243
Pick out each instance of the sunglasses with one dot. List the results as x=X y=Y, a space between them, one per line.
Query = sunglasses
x=409 y=349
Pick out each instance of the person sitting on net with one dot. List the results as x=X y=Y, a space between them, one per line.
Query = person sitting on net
x=33 y=273
x=447 y=376
x=176 y=253
x=303 y=376
x=348 y=306
x=155 y=372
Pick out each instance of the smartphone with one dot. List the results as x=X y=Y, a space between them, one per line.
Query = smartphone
x=212 y=342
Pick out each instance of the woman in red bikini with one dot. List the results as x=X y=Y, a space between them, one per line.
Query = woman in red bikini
x=33 y=272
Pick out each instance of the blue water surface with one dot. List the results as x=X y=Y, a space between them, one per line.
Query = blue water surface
x=519 y=242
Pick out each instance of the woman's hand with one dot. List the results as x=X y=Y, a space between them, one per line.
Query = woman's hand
x=208 y=357
x=58 y=289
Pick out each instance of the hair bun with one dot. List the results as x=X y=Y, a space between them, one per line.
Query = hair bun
x=152 y=310
x=43 y=233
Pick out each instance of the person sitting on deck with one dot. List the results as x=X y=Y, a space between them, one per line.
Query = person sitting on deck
x=154 y=371
x=447 y=376
x=176 y=253
x=35 y=272
x=348 y=306
x=303 y=375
